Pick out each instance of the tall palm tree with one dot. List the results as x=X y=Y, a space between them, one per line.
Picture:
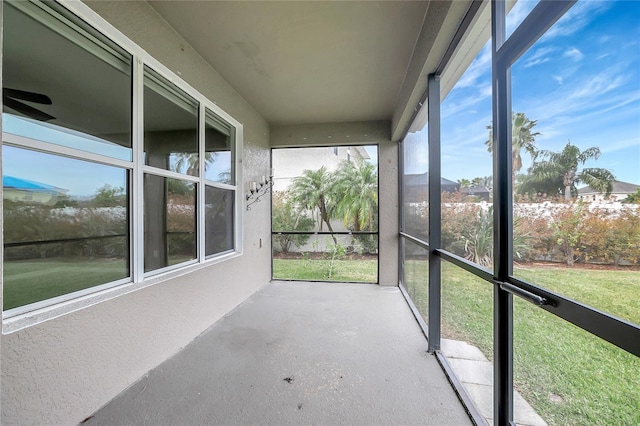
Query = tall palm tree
x=314 y=189
x=558 y=172
x=357 y=189
x=522 y=138
x=185 y=162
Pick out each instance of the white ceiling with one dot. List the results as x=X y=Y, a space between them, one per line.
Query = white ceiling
x=307 y=62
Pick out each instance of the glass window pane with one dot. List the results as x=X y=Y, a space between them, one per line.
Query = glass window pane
x=415 y=185
x=219 y=143
x=569 y=376
x=64 y=83
x=416 y=277
x=576 y=216
x=170 y=126
x=66 y=225
x=169 y=222
x=219 y=226
x=467 y=164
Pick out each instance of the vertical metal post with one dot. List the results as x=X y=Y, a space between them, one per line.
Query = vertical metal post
x=502 y=229
x=400 y=213
x=433 y=105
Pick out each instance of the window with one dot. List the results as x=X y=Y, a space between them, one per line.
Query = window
x=64 y=83
x=66 y=225
x=89 y=204
x=170 y=126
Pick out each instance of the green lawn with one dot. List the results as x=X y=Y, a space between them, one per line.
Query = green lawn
x=568 y=375
x=29 y=281
x=365 y=271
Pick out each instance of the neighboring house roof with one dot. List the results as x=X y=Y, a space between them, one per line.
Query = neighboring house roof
x=618 y=188
x=476 y=190
x=29 y=185
x=423 y=180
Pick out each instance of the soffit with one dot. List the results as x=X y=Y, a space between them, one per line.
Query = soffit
x=307 y=62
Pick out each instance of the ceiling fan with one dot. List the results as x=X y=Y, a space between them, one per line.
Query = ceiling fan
x=12 y=98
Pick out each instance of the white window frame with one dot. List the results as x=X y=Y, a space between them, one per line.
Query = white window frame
x=24 y=316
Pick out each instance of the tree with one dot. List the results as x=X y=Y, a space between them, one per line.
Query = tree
x=314 y=189
x=522 y=138
x=558 y=172
x=569 y=229
x=356 y=186
x=109 y=196
x=633 y=198
x=486 y=181
x=286 y=217
x=464 y=183
x=189 y=163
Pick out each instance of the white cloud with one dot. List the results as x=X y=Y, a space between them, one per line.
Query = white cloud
x=578 y=17
x=574 y=54
x=558 y=78
x=480 y=66
x=516 y=15
x=539 y=56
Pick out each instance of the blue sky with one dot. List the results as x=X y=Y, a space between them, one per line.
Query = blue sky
x=580 y=81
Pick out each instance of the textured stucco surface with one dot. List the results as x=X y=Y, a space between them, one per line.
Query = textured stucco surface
x=388 y=200
x=60 y=371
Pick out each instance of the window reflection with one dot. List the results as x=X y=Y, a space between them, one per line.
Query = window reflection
x=170 y=126
x=66 y=225
x=219 y=228
x=169 y=222
x=61 y=88
x=218 y=161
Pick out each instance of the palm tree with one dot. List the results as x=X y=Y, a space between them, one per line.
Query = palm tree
x=189 y=163
x=357 y=190
x=558 y=172
x=464 y=183
x=314 y=189
x=522 y=138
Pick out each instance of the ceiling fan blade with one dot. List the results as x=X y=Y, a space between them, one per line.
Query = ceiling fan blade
x=38 y=98
x=27 y=110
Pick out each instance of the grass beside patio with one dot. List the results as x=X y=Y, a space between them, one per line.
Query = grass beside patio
x=569 y=376
x=344 y=270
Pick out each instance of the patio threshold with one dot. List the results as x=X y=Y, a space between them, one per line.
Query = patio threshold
x=299 y=353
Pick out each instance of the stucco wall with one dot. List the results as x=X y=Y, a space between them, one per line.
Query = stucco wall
x=62 y=370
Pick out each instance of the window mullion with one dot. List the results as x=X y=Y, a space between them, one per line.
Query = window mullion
x=137 y=208
x=200 y=194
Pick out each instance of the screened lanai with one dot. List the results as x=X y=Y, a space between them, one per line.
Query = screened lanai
x=137 y=259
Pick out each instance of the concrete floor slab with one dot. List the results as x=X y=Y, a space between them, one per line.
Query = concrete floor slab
x=299 y=353
x=472 y=371
x=475 y=372
x=461 y=349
